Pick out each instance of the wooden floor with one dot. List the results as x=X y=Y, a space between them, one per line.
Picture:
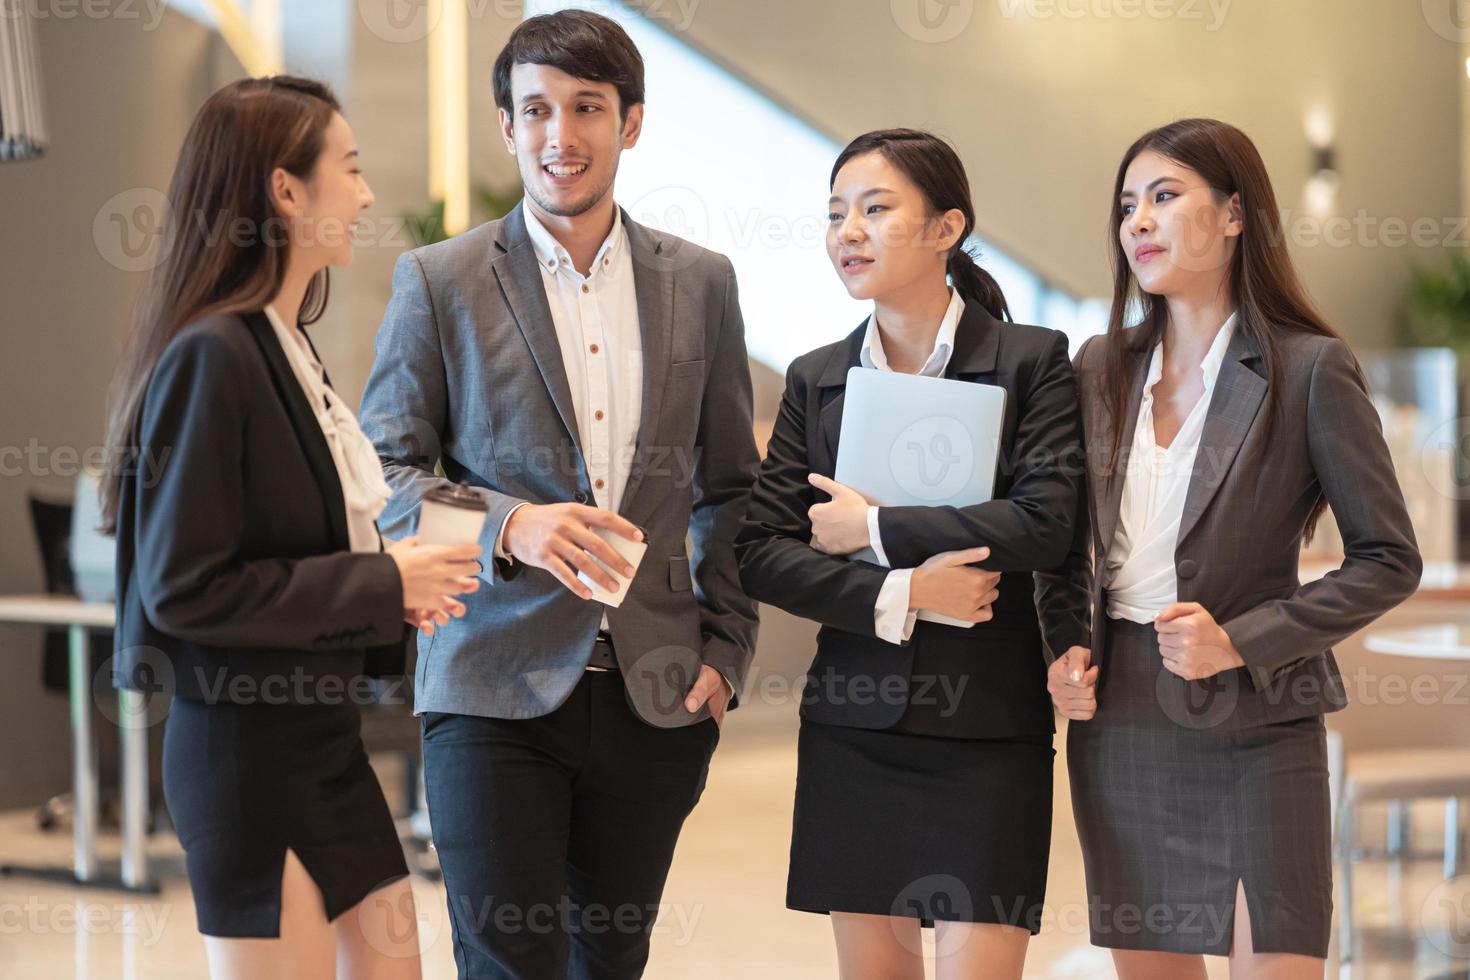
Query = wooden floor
x=723 y=915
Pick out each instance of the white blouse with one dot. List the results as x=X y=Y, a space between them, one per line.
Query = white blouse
x=1139 y=575
x=364 y=491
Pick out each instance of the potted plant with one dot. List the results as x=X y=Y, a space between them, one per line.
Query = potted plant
x=427 y=226
x=1435 y=311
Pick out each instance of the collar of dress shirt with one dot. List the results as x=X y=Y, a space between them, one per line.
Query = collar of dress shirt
x=872 y=354
x=551 y=254
x=294 y=337
x=1213 y=358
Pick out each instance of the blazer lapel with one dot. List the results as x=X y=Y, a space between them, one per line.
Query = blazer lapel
x=976 y=343
x=1237 y=398
x=1108 y=489
x=653 y=285
x=308 y=429
x=519 y=275
x=833 y=385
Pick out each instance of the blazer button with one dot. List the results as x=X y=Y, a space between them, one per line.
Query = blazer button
x=580 y=496
x=1188 y=568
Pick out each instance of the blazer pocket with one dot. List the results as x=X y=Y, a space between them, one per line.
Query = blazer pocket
x=682 y=402
x=688 y=345
x=679 y=580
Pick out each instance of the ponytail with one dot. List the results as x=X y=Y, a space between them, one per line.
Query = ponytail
x=975 y=285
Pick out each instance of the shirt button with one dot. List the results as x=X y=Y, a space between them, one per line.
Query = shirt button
x=598 y=484
x=597 y=415
x=586 y=288
x=593 y=348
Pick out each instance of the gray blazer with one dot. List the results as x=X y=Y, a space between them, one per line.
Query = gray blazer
x=1244 y=515
x=469 y=376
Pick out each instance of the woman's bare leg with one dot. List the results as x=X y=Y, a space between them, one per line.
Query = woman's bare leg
x=979 y=951
x=1247 y=964
x=1137 y=964
x=878 y=947
x=305 y=950
x=378 y=938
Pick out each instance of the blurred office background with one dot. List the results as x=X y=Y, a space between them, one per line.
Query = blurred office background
x=1358 y=106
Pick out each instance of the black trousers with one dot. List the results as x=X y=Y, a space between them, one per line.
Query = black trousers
x=556 y=833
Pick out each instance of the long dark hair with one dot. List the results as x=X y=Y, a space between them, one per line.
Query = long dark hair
x=934 y=167
x=220 y=185
x=1269 y=298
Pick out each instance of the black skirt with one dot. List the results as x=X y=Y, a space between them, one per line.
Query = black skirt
x=1173 y=811
x=947 y=829
x=245 y=782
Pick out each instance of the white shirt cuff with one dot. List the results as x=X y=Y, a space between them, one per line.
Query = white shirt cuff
x=500 y=551
x=876 y=542
x=893 y=620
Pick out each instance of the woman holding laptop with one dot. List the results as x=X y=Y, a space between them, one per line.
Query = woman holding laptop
x=925 y=760
x=252 y=582
x=1220 y=423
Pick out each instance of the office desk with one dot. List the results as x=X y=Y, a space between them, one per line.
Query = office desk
x=1438 y=641
x=78 y=617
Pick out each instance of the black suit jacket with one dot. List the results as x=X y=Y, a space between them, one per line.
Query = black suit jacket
x=984 y=682
x=235 y=581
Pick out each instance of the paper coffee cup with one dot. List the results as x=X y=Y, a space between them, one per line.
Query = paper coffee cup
x=632 y=551
x=451 y=515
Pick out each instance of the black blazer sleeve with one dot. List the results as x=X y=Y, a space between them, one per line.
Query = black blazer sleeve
x=778 y=565
x=1064 y=593
x=193 y=578
x=1031 y=526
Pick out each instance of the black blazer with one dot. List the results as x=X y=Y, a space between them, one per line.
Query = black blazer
x=984 y=682
x=235 y=581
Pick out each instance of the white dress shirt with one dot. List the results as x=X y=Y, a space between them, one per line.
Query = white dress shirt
x=364 y=491
x=1139 y=574
x=596 y=322
x=893 y=620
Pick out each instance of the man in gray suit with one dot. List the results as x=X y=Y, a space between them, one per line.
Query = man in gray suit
x=587 y=376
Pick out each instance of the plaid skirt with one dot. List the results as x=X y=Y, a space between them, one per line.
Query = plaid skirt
x=1173 y=812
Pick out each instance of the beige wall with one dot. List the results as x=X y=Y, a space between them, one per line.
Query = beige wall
x=1042 y=108
x=387 y=107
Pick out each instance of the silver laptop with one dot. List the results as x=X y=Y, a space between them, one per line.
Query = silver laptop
x=911 y=440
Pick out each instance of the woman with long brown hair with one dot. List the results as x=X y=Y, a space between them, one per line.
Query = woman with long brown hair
x=1219 y=425
x=252 y=581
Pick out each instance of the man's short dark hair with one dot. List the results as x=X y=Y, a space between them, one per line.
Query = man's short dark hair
x=580 y=43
